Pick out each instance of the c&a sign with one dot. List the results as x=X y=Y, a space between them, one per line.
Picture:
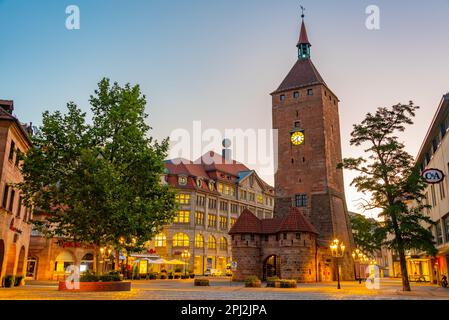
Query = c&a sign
x=433 y=175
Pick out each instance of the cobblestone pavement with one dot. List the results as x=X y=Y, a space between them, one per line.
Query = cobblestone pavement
x=390 y=289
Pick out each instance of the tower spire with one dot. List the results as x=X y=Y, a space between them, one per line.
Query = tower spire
x=303 y=43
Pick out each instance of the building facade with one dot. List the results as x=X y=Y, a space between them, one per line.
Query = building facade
x=212 y=192
x=14 y=216
x=305 y=114
x=434 y=154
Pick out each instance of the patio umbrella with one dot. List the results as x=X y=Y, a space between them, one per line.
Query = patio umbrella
x=158 y=261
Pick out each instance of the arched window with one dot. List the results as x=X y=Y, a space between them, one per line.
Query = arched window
x=223 y=243
x=63 y=260
x=160 y=240
x=211 y=243
x=199 y=241
x=87 y=262
x=180 y=240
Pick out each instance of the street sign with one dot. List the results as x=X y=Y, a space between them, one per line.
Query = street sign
x=433 y=176
x=234 y=265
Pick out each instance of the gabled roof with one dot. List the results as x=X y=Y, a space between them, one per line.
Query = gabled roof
x=214 y=161
x=295 y=221
x=301 y=75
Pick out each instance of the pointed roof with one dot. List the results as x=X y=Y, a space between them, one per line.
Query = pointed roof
x=246 y=223
x=301 y=75
x=295 y=221
x=303 y=39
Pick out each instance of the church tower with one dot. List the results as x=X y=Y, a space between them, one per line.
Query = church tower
x=305 y=113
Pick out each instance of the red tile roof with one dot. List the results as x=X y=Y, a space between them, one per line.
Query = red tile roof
x=303 y=39
x=302 y=74
x=295 y=221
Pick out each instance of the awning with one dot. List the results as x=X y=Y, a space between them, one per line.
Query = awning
x=174 y=261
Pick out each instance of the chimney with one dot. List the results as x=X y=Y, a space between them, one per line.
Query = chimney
x=226 y=152
x=7 y=105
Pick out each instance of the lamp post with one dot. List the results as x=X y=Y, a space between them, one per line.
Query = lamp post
x=186 y=256
x=337 y=249
x=359 y=257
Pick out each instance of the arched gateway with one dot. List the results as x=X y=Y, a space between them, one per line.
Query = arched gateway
x=272 y=267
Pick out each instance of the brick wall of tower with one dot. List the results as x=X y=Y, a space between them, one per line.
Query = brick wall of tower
x=247 y=254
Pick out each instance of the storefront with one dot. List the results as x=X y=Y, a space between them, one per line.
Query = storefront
x=419 y=269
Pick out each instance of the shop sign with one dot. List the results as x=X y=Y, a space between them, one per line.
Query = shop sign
x=433 y=176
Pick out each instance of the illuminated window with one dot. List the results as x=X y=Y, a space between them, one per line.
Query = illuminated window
x=232 y=221
x=212 y=220
x=260 y=199
x=160 y=240
x=182 y=217
x=211 y=243
x=199 y=183
x=227 y=190
x=211 y=185
x=223 y=222
x=199 y=218
x=220 y=187
x=223 y=243
x=199 y=241
x=183 y=198
x=180 y=240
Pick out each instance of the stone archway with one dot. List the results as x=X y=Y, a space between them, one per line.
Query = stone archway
x=11 y=260
x=272 y=267
x=21 y=263
x=2 y=258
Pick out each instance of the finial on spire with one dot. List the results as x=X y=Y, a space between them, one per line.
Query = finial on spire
x=302 y=11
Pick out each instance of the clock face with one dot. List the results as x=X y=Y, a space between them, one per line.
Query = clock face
x=297 y=138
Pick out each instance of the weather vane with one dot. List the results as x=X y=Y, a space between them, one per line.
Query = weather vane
x=302 y=11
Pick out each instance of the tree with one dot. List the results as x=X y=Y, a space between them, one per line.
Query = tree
x=391 y=176
x=366 y=235
x=99 y=183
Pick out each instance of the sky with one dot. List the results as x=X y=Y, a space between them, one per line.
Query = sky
x=218 y=61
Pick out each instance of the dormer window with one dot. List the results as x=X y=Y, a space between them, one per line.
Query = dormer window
x=182 y=180
x=198 y=183
x=211 y=185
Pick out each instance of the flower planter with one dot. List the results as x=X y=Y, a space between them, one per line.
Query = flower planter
x=8 y=282
x=95 y=286
x=253 y=284
x=201 y=282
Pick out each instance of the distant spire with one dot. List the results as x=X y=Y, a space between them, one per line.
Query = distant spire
x=303 y=42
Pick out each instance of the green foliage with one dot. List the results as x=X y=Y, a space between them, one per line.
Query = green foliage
x=366 y=234
x=390 y=175
x=89 y=277
x=252 y=281
x=288 y=283
x=110 y=277
x=99 y=180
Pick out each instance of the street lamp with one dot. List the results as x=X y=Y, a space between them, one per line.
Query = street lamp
x=186 y=256
x=337 y=249
x=358 y=256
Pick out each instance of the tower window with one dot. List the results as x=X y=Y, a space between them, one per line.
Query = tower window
x=297 y=124
x=310 y=92
x=296 y=94
x=301 y=200
x=282 y=97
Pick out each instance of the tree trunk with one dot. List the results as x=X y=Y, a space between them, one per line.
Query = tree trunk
x=96 y=262
x=404 y=272
x=117 y=260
